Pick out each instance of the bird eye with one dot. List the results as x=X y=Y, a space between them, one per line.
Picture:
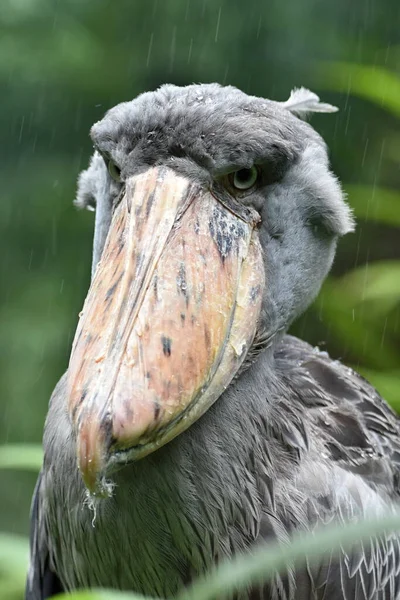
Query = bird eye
x=244 y=179
x=114 y=171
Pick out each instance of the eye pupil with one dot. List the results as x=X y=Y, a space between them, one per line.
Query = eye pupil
x=243 y=174
x=244 y=179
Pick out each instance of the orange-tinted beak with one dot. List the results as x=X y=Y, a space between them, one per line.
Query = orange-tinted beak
x=168 y=320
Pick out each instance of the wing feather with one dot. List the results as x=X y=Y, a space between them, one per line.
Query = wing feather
x=359 y=436
x=42 y=582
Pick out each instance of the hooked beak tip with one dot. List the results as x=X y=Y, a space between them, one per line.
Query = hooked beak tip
x=92 y=456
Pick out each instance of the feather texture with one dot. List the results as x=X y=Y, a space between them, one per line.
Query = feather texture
x=315 y=445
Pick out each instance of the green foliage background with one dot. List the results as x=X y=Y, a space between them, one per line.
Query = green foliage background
x=63 y=63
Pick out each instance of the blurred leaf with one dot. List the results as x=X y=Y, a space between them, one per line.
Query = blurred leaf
x=373 y=83
x=12 y=588
x=374 y=281
x=387 y=384
x=14 y=551
x=21 y=456
x=341 y=307
x=101 y=594
x=375 y=203
x=392 y=148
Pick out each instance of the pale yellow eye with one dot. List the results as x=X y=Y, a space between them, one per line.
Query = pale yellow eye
x=244 y=179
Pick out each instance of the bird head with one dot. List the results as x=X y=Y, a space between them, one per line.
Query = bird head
x=217 y=218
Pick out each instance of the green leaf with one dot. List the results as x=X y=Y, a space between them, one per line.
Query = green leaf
x=376 y=84
x=21 y=456
x=375 y=204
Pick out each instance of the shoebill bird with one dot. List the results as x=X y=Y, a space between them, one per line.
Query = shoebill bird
x=189 y=427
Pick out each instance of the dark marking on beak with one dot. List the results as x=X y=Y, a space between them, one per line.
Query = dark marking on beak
x=166 y=345
x=226 y=237
x=181 y=283
x=128 y=201
x=255 y=292
x=157 y=409
x=150 y=202
x=155 y=288
x=128 y=409
x=139 y=262
x=106 y=426
x=81 y=400
x=111 y=290
x=207 y=336
x=121 y=241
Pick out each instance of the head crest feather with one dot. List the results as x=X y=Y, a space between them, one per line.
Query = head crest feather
x=302 y=102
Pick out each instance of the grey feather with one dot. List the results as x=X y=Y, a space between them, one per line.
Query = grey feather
x=302 y=453
x=302 y=102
